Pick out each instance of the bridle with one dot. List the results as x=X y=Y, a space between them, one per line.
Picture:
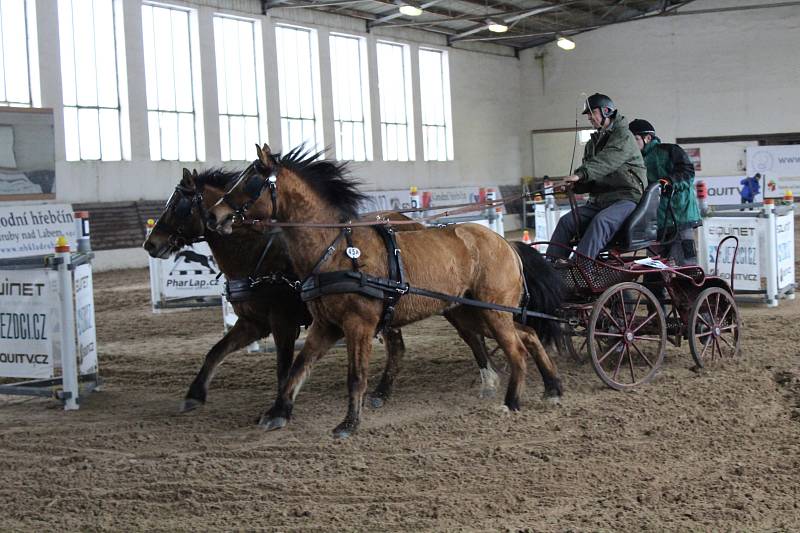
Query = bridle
x=253 y=189
x=182 y=203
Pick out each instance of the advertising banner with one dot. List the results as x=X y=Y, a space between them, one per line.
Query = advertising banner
x=29 y=230
x=28 y=322
x=779 y=167
x=747 y=274
x=84 y=320
x=191 y=273
x=784 y=242
x=397 y=199
x=726 y=190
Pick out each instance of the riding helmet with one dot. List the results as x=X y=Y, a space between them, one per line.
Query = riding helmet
x=641 y=127
x=601 y=102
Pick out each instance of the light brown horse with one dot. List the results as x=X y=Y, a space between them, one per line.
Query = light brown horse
x=464 y=260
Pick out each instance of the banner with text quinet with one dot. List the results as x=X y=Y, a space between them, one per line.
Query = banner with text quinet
x=726 y=190
x=28 y=323
x=779 y=167
x=747 y=274
x=30 y=230
x=784 y=241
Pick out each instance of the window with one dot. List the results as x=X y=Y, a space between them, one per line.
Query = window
x=394 y=84
x=240 y=82
x=298 y=84
x=92 y=73
x=350 y=98
x=434 y=80
x=173 y=85
x=19 y=67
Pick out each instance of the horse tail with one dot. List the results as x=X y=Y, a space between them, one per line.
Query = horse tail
x=545 y=289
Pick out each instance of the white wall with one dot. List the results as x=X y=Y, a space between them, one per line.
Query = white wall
x=485 y=91
x=728 y=73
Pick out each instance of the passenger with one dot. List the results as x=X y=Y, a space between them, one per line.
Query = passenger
x=614 y=175
x=678 y=212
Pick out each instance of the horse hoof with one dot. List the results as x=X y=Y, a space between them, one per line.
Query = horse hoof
x=376 y=402
x=487 y=393
x=343 y=431
x=553 y=400
x=271 y=424
x=190 y=404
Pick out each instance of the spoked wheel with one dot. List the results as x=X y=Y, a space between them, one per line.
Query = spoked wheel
x=576 y=343
x=627 y=336
x=714 y=327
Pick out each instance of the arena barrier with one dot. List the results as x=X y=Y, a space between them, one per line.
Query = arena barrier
x=47 y=325
x=187 y=279
x=765 y=260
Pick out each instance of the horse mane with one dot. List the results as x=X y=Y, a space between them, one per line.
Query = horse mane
x=330 y=179
x=219 y=178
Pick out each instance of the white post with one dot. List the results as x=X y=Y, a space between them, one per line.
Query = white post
x=155 y=272
x=771 y=259
x=69 y=360
x=82 y=231
x=490 y=212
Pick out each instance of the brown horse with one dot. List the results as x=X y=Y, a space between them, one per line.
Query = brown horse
x=464 y=260
x=274 y=306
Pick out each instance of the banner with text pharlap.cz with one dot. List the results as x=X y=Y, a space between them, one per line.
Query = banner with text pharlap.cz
x=779 y=167
x=28 y=323
x=29 y=230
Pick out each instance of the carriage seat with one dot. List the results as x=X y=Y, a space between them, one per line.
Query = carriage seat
x=640 y=229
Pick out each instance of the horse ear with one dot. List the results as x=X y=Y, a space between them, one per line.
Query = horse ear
x=264 y=153
x=186 y=174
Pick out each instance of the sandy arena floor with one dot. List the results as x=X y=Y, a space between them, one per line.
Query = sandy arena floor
x=718 y=450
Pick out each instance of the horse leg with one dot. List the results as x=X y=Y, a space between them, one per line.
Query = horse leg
x=319 y=339
x=489 y=378
x=284 y=332
x=547 y=368
x=240 y=335
x=395 y=350
x=502 y=327
x=359 y=350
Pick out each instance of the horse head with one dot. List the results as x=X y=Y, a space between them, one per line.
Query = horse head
x=244 y=197
x=182 y=221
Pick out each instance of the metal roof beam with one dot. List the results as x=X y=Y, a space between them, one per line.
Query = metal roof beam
x=387 y=16
x=506 y=19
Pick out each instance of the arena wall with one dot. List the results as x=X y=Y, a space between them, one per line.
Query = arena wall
x=720 y=74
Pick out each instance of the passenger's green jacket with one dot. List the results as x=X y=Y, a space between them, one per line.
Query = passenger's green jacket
x=670 y=162
x=612 y=168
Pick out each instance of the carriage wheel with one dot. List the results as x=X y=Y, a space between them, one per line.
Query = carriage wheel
x=576 y=343
x=714 y=327
x=627 y=336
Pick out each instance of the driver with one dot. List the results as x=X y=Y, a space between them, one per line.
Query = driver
x=612 y=172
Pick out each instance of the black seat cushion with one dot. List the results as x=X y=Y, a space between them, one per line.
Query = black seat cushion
x=640 y=229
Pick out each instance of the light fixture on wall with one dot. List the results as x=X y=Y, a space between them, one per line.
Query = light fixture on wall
x=410 y=10
x=496 y=26
x=564 y=43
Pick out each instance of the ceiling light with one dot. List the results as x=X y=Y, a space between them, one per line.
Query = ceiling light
x=565 y=44
x=497 y=27
x=411 y=11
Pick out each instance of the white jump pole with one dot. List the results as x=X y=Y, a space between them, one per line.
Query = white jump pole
x=69 y=360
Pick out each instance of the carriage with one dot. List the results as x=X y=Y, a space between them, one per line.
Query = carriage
x=624 y=307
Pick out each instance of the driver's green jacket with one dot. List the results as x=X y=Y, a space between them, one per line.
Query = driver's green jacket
x=612 y=167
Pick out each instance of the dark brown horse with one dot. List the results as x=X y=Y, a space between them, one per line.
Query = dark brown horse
x=274 y=306
x=464 y=260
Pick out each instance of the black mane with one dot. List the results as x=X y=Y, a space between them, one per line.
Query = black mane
x=219 y=178
x=330 y=179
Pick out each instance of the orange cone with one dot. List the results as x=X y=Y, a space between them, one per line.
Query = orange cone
x=526 y=237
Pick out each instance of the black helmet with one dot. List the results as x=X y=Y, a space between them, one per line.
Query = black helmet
x=601 y=102
x=641 y=128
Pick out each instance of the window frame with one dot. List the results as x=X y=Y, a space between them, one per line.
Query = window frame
x=73 y=145
x=364 y=100
x=193 y=47
x=446 y=108
x=31 y=59
x=408 y=103
x=315 y=88
x=260 y=88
